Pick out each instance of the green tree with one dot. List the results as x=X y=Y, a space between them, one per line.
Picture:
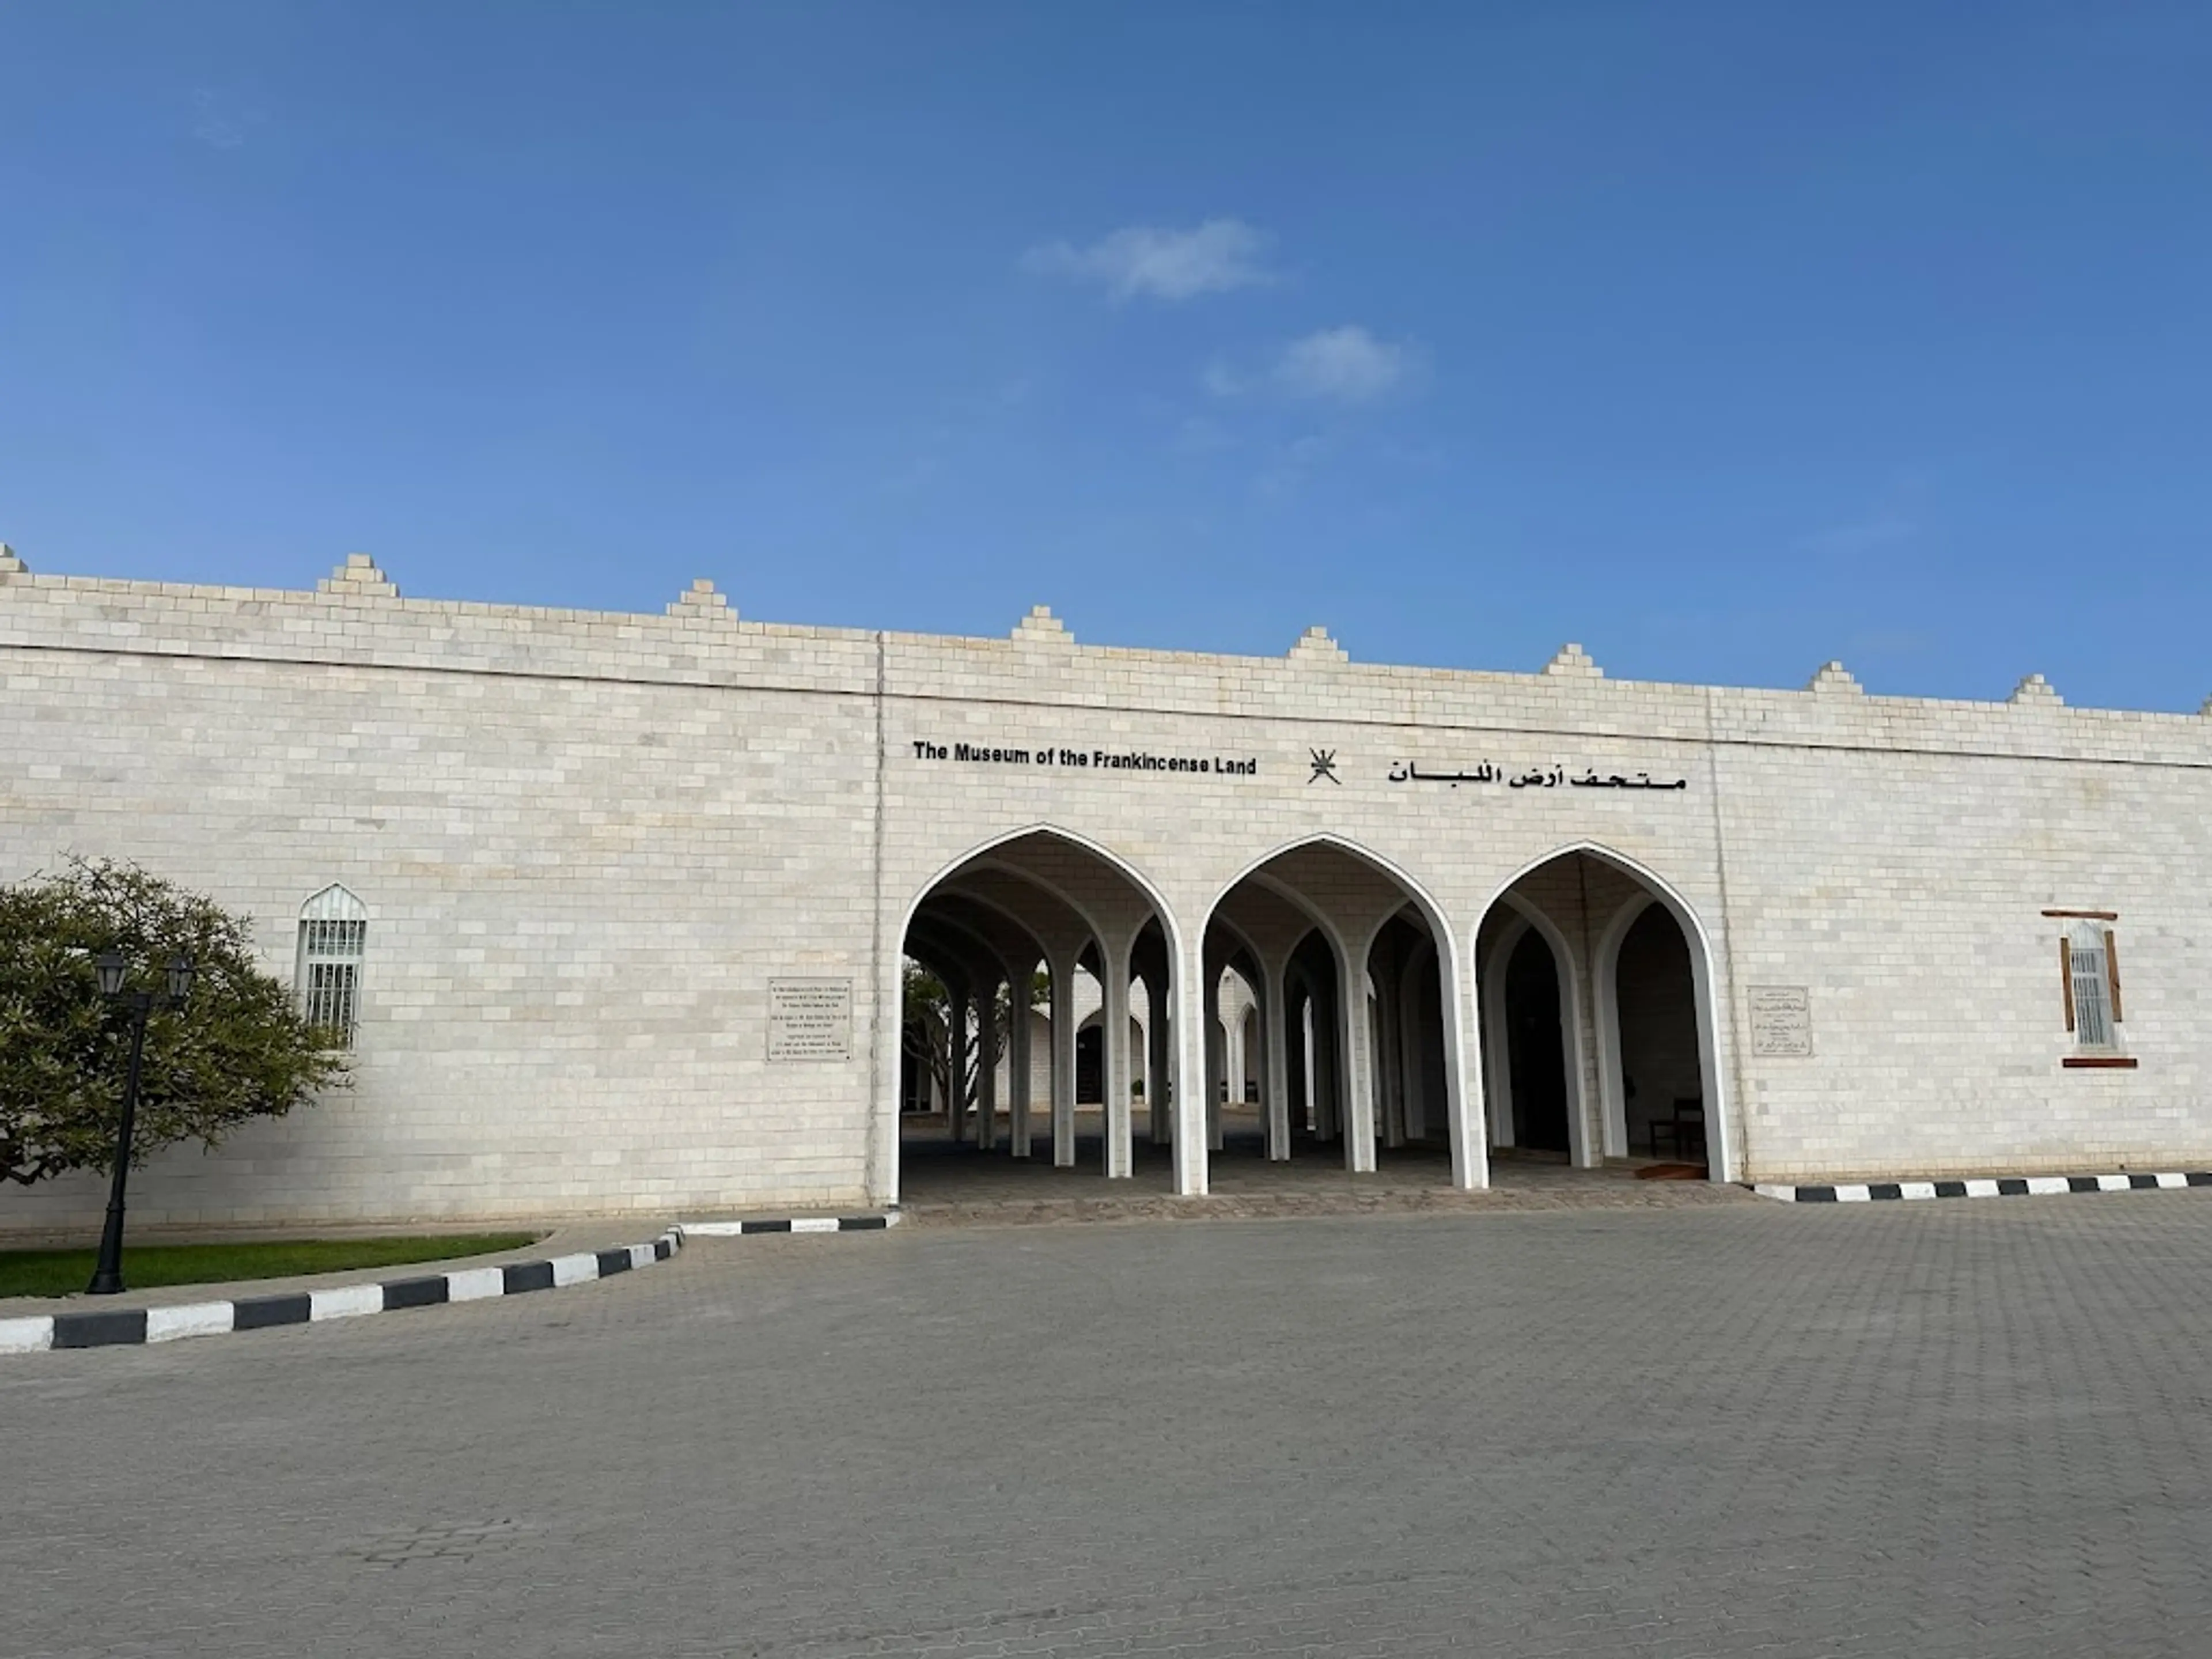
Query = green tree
x=928 y=1023
x=237 y=1050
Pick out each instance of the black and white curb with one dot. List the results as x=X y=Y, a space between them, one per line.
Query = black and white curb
x=796 y=1224
x=137 y=1325
x=1998 y=1186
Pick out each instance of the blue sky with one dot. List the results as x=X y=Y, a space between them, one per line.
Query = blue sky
x=1723 y=339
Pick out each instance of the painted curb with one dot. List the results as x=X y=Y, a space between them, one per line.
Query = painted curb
x=134 y=1326
x=1998 y=1186
x=802 y=1223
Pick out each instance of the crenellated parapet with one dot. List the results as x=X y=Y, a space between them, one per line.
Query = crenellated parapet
x=1041 y=627
x=1316 y=646
x=357 y=617
x=358 y=578
x=700 y=602
x=1834 y=680
x=1573 y=663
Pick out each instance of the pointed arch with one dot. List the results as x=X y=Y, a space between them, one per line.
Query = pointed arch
x=1242 y=941
x=1705 y=976
x=1490 y=983
x=1605 y=997
x=1497 y=1056
x=1470 y=1163
x=1099 y=850
x=1423 y=899
x=336 y=903
x=884 y=1173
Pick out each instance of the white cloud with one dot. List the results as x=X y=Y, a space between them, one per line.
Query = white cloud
x=218 y=121
x=1342 y=365
x=1213 y=257
x=1345 y=365
x=1222 y=381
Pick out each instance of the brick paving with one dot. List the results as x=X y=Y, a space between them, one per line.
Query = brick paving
x=945 y=1185
x=1729 y=1429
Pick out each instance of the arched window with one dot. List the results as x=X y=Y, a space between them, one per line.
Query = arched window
x=2093 y=986
x=333 y=937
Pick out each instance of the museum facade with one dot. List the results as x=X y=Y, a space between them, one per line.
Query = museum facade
x=616 y=912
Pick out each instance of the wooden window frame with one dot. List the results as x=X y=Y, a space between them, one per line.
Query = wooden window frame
x=2106 y=1056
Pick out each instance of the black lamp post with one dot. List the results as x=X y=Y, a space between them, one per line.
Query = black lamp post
x=107 y=1277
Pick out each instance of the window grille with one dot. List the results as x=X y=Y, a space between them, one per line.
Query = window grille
x=2092 y=986
x=334 y=939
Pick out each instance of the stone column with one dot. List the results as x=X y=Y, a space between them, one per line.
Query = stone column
x=1187 y=986
x=1578 y=1014
x=1393 y=1055
x=1327 y=1074
x=1357 y=1071
x=1496 y=1055
x=1411 y=1024
x=956 y=1071
x=1233 y=1063
x=1275 y=1088
x=1316 y=1095
x=1018 y=1057
x=1063 y=1062
x=987 y=1068
x=1113 y=1038
x=1214 y=1043
x=1157 y=1062
x=1463 y=1106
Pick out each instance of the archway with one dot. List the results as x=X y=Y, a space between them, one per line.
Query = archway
x=1236 y=1119
x=1406 y=1011
x=1038 y=907
x=1655 y=1102
x=1314 y=1091
x=1357 y=1010
x=1573 y=920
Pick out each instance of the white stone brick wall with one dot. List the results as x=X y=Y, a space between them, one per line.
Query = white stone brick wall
x=588 y=842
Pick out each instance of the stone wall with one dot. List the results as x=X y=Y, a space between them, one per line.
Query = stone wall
x=588 y=842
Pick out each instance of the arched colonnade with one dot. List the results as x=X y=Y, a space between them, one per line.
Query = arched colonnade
x=1323 y=996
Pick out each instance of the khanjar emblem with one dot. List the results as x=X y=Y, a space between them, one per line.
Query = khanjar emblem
x=1324 y=766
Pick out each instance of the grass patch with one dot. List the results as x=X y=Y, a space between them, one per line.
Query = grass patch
x=148 y=1267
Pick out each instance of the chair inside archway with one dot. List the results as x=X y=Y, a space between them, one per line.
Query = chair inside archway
x=1593 y=1047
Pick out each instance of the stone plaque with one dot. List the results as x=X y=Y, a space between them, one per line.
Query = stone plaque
x=1781 y=1020
x=810 y=1019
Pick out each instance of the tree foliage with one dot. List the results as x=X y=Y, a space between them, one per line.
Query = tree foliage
x=237 y=1049
x=928 y=1023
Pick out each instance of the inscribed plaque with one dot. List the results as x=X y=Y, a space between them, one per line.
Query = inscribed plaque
x=1781 y=1020
x=810 y=1019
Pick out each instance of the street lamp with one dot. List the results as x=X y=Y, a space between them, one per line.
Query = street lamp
x=113 y=971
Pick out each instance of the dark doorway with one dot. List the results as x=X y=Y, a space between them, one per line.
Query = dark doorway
x=1313 y=985
x=1090 y=1066
x=1662 y=1070
x=1408 y=1048
x=1533 y=1046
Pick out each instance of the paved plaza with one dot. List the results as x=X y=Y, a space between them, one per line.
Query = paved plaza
x=1969 y=1427
x=944 y=1184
